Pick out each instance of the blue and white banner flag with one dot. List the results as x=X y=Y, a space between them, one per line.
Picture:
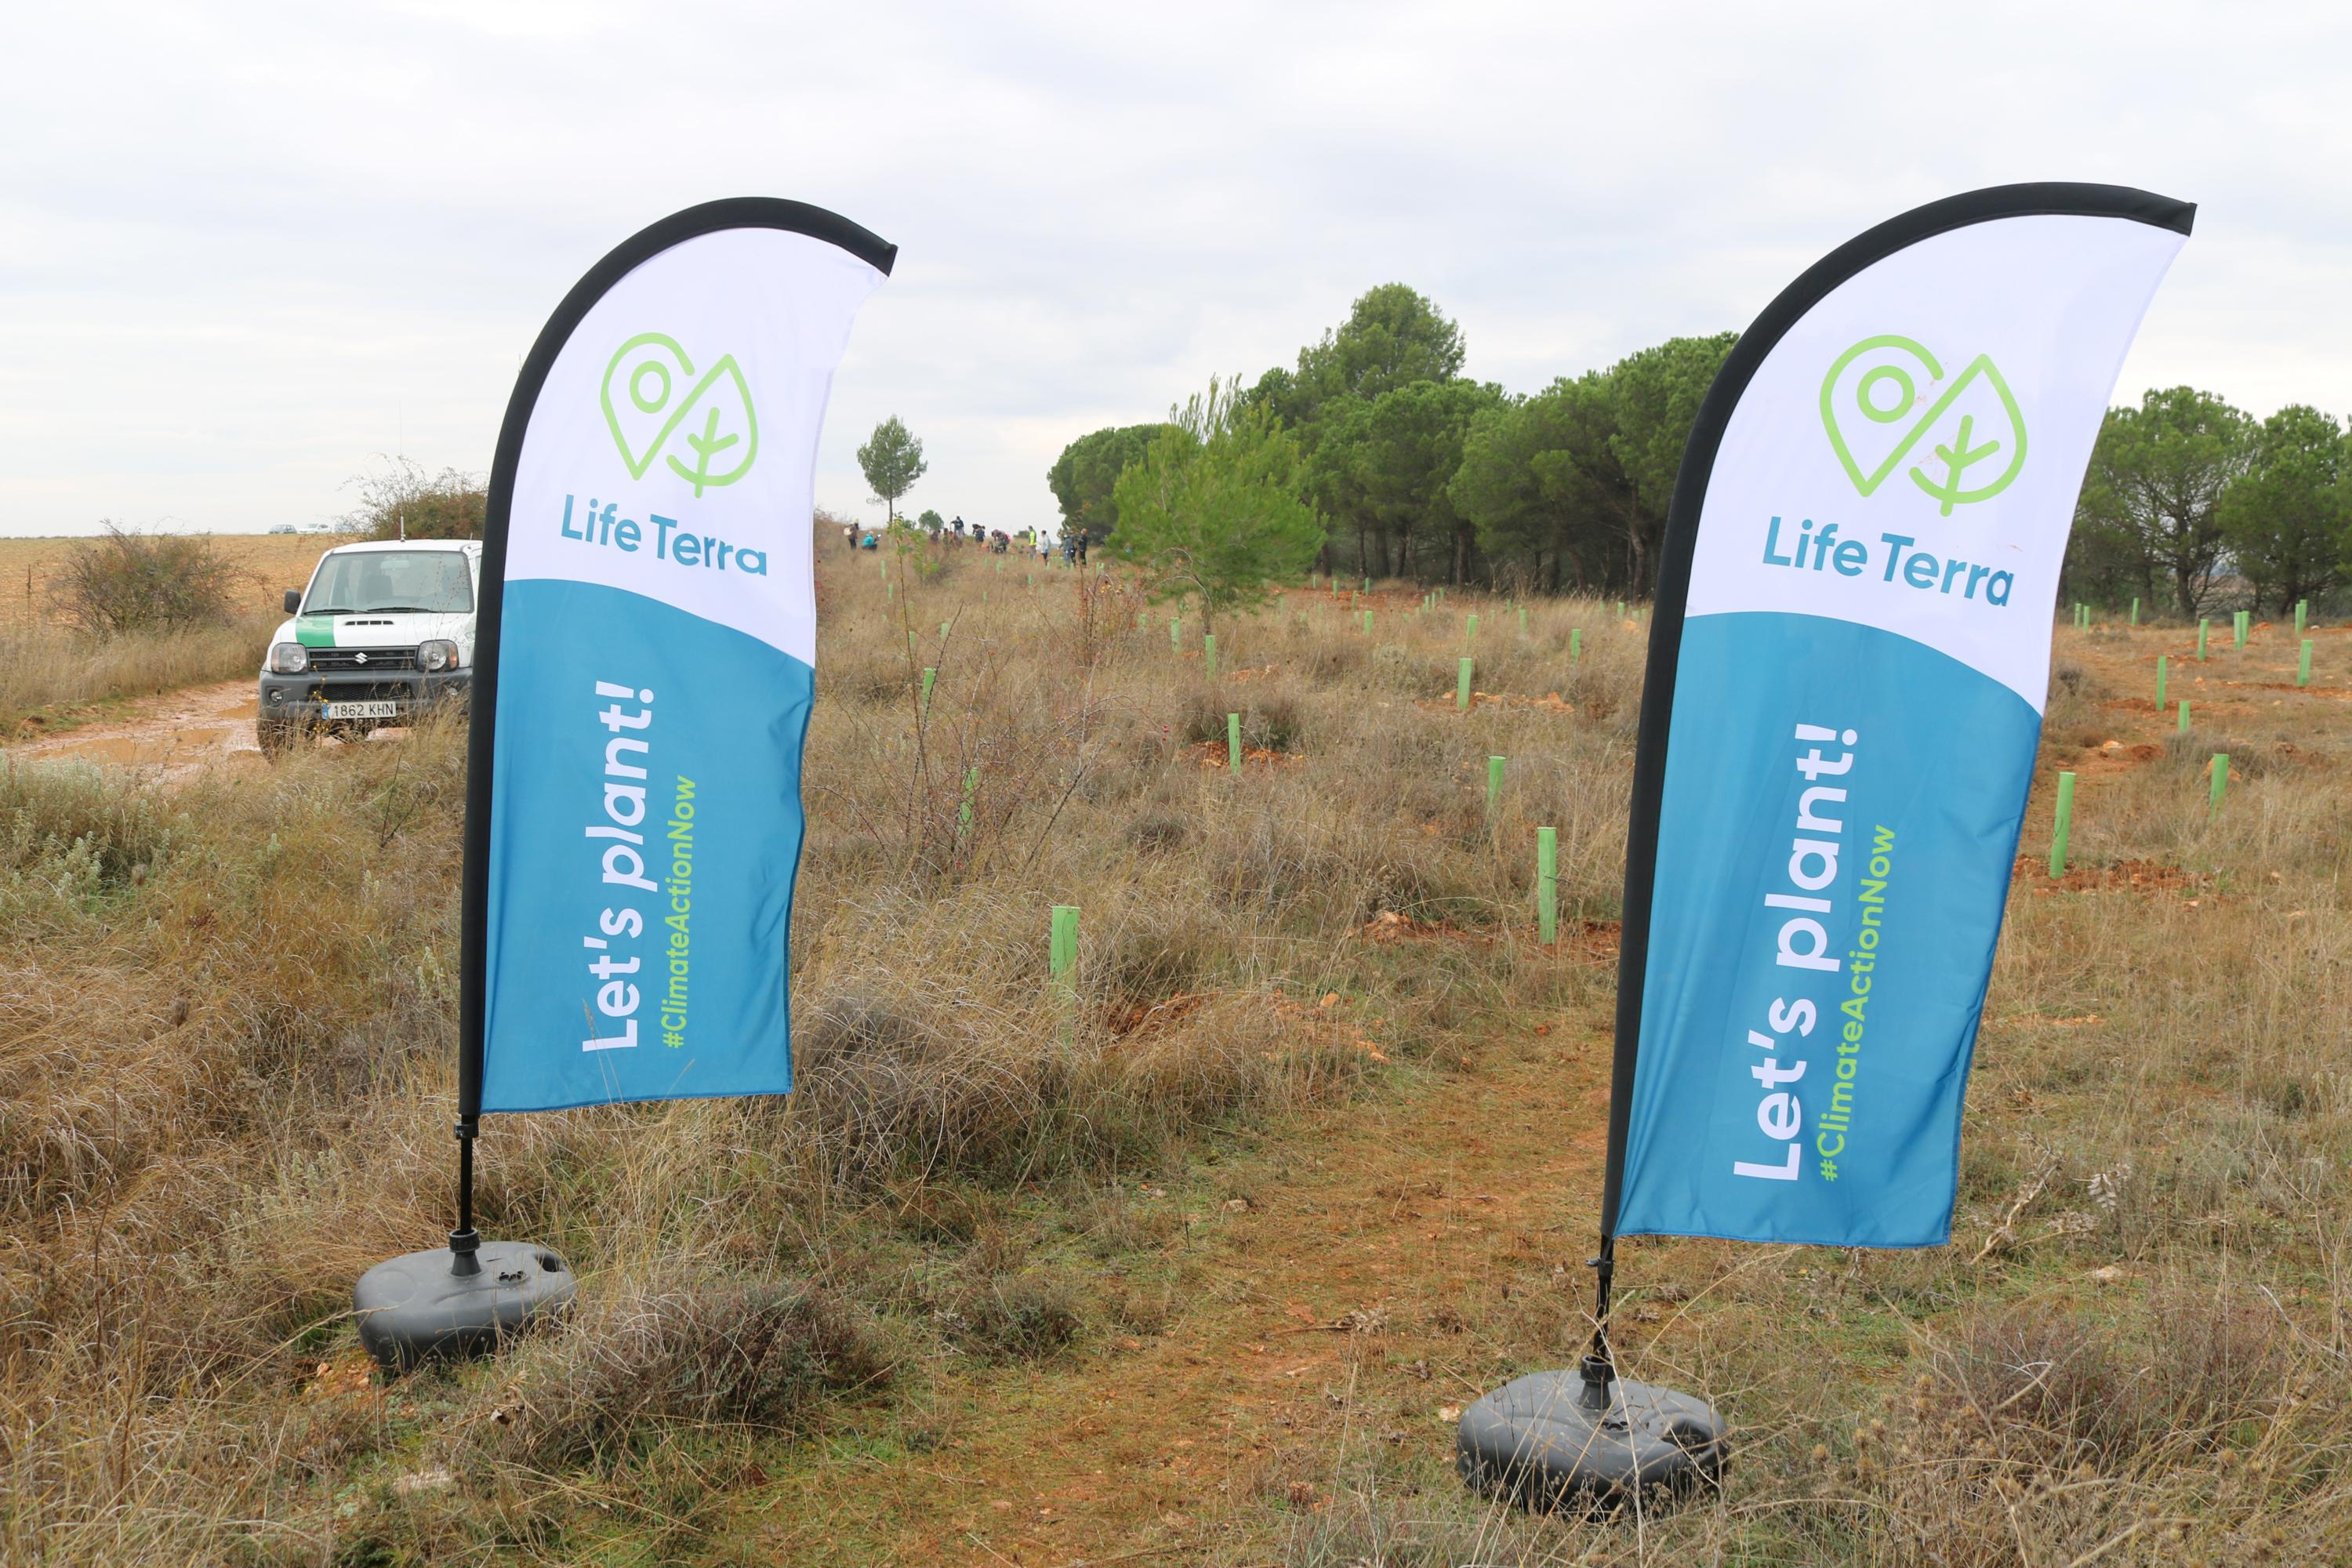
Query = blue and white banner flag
x=648 y=638
x=1847 y=671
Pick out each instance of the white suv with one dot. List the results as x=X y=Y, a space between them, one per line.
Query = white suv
x=384 y=631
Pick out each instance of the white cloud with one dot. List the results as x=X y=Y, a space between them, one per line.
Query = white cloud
x=244 y=249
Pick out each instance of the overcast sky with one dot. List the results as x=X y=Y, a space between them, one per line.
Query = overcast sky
x=245 y=249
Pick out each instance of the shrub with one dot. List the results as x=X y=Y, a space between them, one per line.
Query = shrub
x=406 y=503
x=1016 y=1317
x=1153 y=951
x=1158 y=830
x=1275 y=720
x=2066 y=1378
x=125 y=582
x=1404 y=669
x=2052 y=1374
x=742 y=1356
x=1203 y=717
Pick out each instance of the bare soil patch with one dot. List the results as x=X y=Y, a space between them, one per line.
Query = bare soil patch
x=1329 y=1299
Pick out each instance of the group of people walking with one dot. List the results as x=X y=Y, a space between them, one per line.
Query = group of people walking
x=997 y=542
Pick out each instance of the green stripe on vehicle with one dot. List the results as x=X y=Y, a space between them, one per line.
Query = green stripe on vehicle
x=315 y=631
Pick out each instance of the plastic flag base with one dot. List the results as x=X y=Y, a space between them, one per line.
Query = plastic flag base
x=417 y=1307
x=1568 y=1439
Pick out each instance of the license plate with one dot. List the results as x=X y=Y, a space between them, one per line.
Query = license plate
x=362 y=711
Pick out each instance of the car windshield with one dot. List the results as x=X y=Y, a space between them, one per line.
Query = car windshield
x=387 y=582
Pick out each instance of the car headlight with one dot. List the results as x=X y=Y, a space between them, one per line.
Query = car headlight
x=288 y=658
x=437 y=654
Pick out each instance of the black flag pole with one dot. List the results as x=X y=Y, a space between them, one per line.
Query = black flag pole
x=1554 y=1436
x=1593 y=1433
x=1677 y=550
x=464 y=1297
x=1641 y=852
x=474 y=882
x=443 y=1301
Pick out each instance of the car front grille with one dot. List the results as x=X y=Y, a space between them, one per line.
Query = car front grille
x=338 y=659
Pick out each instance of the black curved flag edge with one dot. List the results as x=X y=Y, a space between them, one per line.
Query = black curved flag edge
x=2055 y=198
x=709 y=217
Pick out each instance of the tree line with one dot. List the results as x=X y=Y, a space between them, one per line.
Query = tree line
x=1418 y=471
x=2195 y=504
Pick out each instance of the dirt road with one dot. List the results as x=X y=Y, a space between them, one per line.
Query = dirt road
x=173 y=736
x=1351 y=1296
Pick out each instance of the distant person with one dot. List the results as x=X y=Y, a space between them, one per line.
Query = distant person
x=1082 y=549
x=849 y=535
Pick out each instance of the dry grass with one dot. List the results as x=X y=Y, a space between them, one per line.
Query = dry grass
x=225 y=1083
x=272 y=564
x=224 y=1059
x=2139 y=1348
x=44 y=666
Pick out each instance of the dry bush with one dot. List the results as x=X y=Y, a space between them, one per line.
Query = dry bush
x=1103 y=613
x=720 y=1355
x=402 y=500
x=123 y=582
x=1012 y=1317
x=2073 y=1386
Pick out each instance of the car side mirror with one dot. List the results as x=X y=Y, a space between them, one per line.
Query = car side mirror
x=293 y=600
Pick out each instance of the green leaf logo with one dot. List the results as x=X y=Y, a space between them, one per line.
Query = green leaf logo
x=706 y=425
x=1975 y=416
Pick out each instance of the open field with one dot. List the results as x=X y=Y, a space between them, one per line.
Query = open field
x=52 y=680
x=274 y=562
x=1198 y=1273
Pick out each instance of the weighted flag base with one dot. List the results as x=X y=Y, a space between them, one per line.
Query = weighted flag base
x=1588 y=1440
x=464 y=1303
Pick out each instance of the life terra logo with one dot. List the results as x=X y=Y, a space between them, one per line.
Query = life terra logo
x=657 y=406
x=1885 y=399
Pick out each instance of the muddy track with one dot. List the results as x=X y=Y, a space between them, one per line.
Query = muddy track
x=171 y=737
